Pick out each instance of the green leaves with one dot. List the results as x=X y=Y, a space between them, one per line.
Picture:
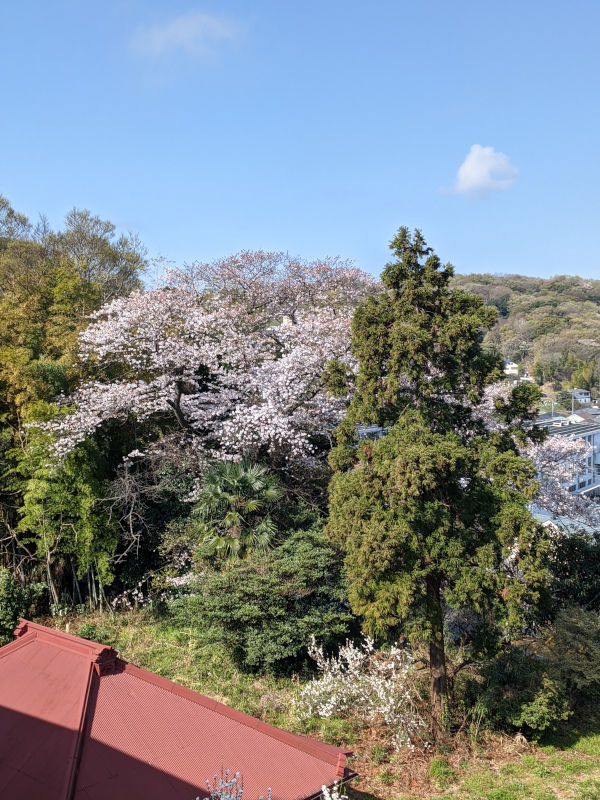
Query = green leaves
x=231 y=516
x=433 y=515
x=266 y=608
x=15 y=601
x=62 y=514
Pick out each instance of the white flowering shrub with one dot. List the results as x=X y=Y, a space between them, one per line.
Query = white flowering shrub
x=228 y=787
x=363 y=682
x=334 y=793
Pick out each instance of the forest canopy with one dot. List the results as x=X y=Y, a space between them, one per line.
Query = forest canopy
x=550 y=325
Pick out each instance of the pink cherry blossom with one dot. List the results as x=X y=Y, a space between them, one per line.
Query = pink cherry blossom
x=235 y=351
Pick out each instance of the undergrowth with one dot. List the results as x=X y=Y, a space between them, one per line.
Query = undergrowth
x=563 y=766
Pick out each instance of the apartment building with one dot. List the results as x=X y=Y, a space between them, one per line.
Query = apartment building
x=588 y=429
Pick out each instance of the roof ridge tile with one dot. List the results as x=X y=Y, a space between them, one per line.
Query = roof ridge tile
x=325 y=752
x=97 y=653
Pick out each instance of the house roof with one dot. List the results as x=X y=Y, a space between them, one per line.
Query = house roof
x=549 y=416
x=79 y=723
x=573 y=429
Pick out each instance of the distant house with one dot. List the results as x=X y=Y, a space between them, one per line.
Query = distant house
x=511 y=369
x=79 y=723
x=591 y=414
x=581 y=396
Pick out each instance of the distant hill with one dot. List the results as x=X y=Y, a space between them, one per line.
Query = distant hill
x=550 y=325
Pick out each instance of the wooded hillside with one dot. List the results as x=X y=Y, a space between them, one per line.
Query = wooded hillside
x=550 y=325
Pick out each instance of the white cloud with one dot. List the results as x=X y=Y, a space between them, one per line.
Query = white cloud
x=193 y=33
x=485 y=170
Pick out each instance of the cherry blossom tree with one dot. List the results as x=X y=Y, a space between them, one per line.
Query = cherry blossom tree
x=234 y=351
x=557 y=460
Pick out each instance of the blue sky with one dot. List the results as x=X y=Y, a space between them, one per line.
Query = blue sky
x=312 y=127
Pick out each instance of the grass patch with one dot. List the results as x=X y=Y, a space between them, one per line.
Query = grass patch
x=588 y=790
x=564 y=765
x=581 y=735
x=386 y=777
x=193 y=660
x=480 y=782
x=441 y=773
x=513 y=770
x=380 y=754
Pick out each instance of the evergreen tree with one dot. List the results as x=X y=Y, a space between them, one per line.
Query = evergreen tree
x=433 y=514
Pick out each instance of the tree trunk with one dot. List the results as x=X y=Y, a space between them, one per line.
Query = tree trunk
x=437 y=661
x=76 y=588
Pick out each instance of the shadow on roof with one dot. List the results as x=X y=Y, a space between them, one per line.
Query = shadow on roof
x=38 y=760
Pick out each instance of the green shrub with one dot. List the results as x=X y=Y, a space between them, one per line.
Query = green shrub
x=522 y=692
x=88 y=630
x=575 y=570
x=96 y=633
x=15 y=602
x=265 y=608
x=573 y=650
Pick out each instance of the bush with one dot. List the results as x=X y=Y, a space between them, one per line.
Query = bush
x=573 y=650
x=575 y=569
x=95 y=633
x=15 y=602
x=522 y=692
x=265 y=608
x=366 y=685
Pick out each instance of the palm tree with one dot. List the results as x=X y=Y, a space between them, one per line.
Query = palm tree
x=231 y=516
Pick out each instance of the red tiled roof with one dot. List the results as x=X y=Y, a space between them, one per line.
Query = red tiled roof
x=78 y=723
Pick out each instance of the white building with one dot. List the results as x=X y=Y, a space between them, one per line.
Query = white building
x=581 y=396
x=511 y=369
x=588 y=481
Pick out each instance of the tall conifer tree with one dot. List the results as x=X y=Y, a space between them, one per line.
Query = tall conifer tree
x=434 y=514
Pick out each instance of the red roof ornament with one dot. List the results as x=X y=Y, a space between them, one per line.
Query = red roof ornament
x=79 y=723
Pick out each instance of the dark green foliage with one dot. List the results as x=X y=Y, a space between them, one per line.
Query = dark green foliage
x=337 y=377
x=405 y=517
x=575 y=570
x=521 y=692
x=265 y=609
x=572 y=648
x=417 y=342
x=15 y=602
x=565 y=399
x=533 y=689
x=434 y=513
